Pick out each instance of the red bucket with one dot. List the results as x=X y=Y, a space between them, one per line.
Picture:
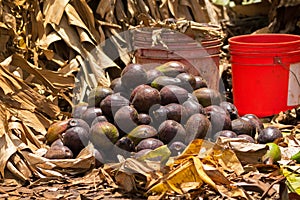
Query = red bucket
x=200 y=57
x=265 y=73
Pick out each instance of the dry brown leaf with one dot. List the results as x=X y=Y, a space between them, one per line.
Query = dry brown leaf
x=69 y=35
x=110 y=17
x=85 y=12
x=7 y=147
x=126 y=181
x=30 y=119
x=21 y=166
x=20 y=95
x=120 y=12
x=152 y=10
x=247 y=153
x=57 y=167
x=190 y=186
x=48 y=40
x=228 y=160
x=75 y=20
x=84 y=37
x=132 y=166
x=104 y=7
x=87 y=16
x=92 y=71
x=256 y=185
x=10 y=21
x=122 y=46
x=184 y=13
x=200 y=170
x=17 y=142
x=85 y=80
x=233 y=192
x=104 y=175
x=216 y=175
x=210 y=11
x=173 y=6
x=164 y=10
x=142 y=7
x=191 y=159
x=132 y=9
x=70 y=68
x=54 y=10
x=38 y=32
x=4 y=116
x=98 y=60
x=192 y=149
x=30 y=135
x=10 y=166
x=180 y=179
x=59 y=80
x=18 y=130
x=4 y=39
x=197 y=11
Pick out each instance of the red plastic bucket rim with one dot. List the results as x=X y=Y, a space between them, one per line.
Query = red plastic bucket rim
x=244 y=40
x=269 y=54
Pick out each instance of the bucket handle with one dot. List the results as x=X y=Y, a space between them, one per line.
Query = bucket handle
x=277 y=60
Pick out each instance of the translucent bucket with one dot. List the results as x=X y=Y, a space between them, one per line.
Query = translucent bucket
x=201 y=58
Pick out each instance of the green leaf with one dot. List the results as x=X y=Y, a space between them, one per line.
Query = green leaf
x=273 y=154
x=296 y=157
x=162 y=153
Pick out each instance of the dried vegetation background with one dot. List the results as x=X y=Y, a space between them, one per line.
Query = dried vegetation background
x=43 y=45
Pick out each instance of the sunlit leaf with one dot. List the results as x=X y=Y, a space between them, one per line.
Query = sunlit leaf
x=221 y=2
x=75 y=20
x=54 y=10
x=293 y=177
x=160 y=154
